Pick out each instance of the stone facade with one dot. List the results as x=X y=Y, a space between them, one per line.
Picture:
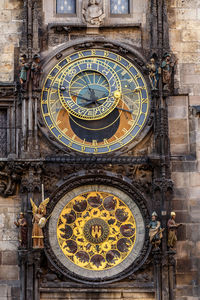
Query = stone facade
x=184 y=25
x=28 y=146
x=11 y=24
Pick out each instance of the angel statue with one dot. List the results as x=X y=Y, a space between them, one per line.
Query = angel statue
x=39 y=222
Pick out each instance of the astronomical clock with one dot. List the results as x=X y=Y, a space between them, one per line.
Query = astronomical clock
x=85 y=136
x=95 y=102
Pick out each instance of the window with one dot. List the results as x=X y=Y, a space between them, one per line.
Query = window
x=119 y=7
x=66 y=6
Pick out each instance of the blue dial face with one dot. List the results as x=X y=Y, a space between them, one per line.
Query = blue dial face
x=90 y=88
x=95 y=101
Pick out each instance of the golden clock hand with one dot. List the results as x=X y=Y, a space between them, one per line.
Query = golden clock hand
x=101 y=99
x=130 y=111
x=136 y=90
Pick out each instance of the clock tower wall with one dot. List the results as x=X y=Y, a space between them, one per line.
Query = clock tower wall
x=34 y=39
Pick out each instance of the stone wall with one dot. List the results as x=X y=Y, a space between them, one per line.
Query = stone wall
x=184 y=32
x=10 y=32
x=10 y=26
x=184 y=125
x=9 y=272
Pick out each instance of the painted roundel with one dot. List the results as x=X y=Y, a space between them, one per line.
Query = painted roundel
x=98 y=229
x=95 y=101
x=93 y=232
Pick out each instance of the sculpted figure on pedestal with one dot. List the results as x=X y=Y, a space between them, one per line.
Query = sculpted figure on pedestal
x=154 y=73
x=24 y=71
x=93 y=11
x=172 y=231
x=36 y=71
x=38 y=223
x=167 y=70
x=155 y=230
x=21 y=223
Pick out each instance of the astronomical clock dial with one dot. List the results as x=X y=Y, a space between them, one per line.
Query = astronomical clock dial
x=94 y=233
x=95 y=101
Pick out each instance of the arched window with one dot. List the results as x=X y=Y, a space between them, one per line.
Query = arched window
x=119 y=7
x=65 y=6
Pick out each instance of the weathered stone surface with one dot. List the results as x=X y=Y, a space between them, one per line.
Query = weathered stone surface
x=9 y=257
x=8 y=272
x=180 y=179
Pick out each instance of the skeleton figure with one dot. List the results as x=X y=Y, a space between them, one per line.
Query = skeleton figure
x=154 y=73
x=93 y=11
x=38 y=223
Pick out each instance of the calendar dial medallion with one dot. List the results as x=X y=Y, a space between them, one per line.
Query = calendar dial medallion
x=96 y=231
x=95 y=101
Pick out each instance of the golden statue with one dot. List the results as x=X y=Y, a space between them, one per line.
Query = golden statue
x=172 y=231
x=39 y=222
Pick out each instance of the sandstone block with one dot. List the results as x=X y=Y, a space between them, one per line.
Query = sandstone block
x=190 y=35
x=9 y=272
x=4 y=291
x=190 y=79
x=186 y=278
x=180 y=179
x=183 y=265
x=178 y=100
x=8 y=245
x=5 y=16
x=175 y=36
x=179 y=149
x=177 y=112
x=179 y=204
x=189 y=57
x=184 y=290
x=194 y=192
x=180 y=193
x=183 y=217
x=179 y=139
x=184 y=249
x=187 y=14
x=9 y=258
x=6 y=77
x=197 y=249
x=177 y=127
x=9 y=4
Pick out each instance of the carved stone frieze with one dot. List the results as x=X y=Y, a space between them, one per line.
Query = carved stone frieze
x=7 y=90
x=9 y=179
x=162 y=184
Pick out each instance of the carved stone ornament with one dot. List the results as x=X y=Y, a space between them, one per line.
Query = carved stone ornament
x=9 y=177
x=93 y=12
